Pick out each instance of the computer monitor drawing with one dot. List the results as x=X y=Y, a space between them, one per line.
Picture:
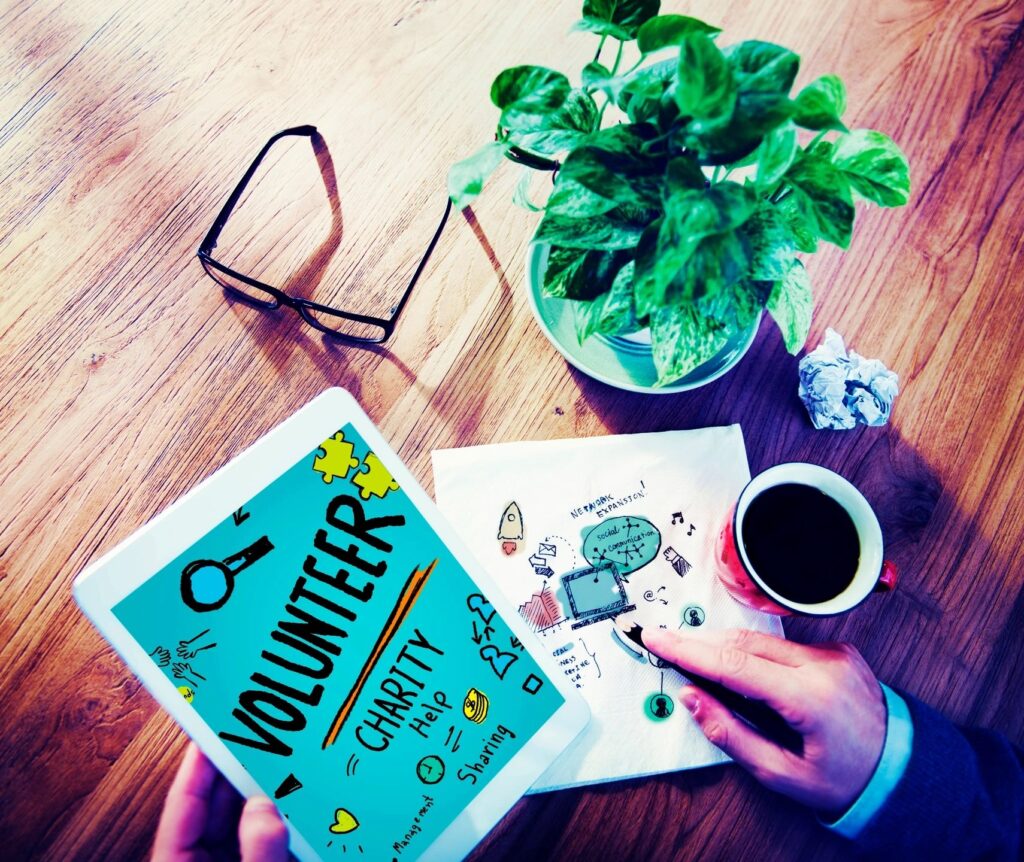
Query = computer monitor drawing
x=595 y=594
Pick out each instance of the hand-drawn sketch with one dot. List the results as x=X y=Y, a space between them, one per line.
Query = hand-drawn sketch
x=510 y=527
x=475 y=706
x=677 y=518
x=540 y=566
x=186 y=692
x=542 y=610
x=187 y=650
x=659 y=706
x=655 y=595
x=344 y=822
x=595 y=594
x=430 y=769
x=453 y=739
x=626 y=542
x=532 y=684
x=162 y=656
x=508 y=548
x=677 y=561
x=351 y=765
x=337 y=460
x=184 y=671
x=499 y=660
x=239 y=515
x=374 y=480
x=289 y=785
x=593 y=656
x=406 y=599
x=206 y=585
x=693 y=615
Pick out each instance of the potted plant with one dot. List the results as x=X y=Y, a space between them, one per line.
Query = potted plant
x=686 y=187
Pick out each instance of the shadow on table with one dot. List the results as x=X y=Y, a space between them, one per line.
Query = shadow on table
x=280 y=333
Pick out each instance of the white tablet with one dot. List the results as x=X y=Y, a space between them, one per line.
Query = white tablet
x=320 y=632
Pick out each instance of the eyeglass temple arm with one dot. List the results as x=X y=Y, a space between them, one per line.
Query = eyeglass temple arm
x=423 y=261
x=210 y=240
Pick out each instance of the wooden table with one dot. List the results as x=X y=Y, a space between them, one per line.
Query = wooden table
x=126 y=376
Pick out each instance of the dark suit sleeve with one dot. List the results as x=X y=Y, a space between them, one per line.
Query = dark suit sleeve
x=960 y=797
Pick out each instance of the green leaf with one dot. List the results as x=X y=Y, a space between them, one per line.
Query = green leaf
x=821 y=103
x=761 y=67
x=666 y=31
x=569 y=198
x=683 y=173
x=620 y=19
x=562 y=267
x=800 y=220
x=717 y=262
x=730 y=139
x=521 y=195
x=823 y=193
x=466 y=178
x=772 y=247
x=595 y=232
x=595 y=74
x=614 y=164
x=776 y=153
x=683 y=338
x=705 y=87
x=642 y=90
x=557 y=130
x=875 y=167
x=529 y=90
x=691 y=215
x=611 y=312
x=790 y=304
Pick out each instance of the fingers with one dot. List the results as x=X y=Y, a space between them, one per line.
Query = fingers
x=763 y=759
x=183 y=819
x=725 y=660
x=262 y=835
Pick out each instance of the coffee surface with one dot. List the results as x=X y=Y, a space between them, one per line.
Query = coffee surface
x=801 y=543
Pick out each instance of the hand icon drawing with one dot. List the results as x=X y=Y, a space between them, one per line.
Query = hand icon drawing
x=161 y=656
x=184 y=671
x=187 y=651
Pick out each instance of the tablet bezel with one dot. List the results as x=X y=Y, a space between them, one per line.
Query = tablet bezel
x=104 y=583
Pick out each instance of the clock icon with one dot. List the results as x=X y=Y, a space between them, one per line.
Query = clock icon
x=430 y=769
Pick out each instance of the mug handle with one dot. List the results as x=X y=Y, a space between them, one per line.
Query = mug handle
x=887 y=580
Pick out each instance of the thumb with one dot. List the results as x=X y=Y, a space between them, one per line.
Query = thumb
x=765 y=760
x=262 y=835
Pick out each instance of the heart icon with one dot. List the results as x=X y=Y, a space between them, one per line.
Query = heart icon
x=508 y=548
x=344 y=822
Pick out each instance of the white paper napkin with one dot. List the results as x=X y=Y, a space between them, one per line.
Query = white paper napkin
x=649 y=506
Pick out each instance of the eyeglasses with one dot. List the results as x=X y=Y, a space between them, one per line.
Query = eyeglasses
x=347 y=326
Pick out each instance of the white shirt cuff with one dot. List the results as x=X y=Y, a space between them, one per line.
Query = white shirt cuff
x=899 y=740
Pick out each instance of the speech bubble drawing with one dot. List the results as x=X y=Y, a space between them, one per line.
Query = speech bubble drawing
x=626 y=542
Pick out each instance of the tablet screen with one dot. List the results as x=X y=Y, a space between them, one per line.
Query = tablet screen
x=328 y=636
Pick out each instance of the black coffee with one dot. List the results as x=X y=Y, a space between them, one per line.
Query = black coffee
x=801 y=543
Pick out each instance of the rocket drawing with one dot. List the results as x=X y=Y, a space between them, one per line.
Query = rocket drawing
x=510 y=530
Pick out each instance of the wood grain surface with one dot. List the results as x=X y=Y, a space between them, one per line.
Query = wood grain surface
x=126 y=376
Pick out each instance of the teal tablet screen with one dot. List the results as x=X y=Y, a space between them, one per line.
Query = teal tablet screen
x=326 y=633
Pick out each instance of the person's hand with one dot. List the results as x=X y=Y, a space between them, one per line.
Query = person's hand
x=204 y=820
x=827 y=693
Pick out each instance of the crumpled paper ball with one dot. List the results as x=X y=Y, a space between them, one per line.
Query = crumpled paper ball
x=840 y=389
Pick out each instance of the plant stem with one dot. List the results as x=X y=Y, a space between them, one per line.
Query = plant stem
x=817 y=138
x=600 y=45
x=715 y=173
x=618 y=57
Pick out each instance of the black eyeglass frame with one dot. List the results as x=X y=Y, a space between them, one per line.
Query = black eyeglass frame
x=304 y=307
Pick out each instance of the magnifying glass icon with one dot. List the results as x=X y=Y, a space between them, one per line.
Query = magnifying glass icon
x=206 y=585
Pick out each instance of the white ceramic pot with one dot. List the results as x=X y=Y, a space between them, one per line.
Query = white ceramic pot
x=622 y=361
